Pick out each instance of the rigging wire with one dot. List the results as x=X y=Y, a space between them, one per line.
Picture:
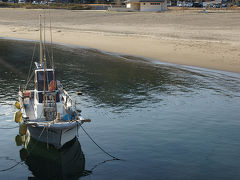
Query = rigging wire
x=30 y=68
x=48 y=53
x=29 y=80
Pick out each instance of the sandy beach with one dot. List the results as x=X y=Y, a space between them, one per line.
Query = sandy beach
x=189 y=37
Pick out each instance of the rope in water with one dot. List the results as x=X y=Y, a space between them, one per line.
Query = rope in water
x=114 y=158
x=2 y=170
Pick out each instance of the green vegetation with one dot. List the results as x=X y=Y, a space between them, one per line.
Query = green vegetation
x=50 y=6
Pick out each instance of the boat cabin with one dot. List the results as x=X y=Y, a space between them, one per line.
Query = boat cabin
x=39 y=84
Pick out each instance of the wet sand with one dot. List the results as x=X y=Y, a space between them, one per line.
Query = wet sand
x=189 y=37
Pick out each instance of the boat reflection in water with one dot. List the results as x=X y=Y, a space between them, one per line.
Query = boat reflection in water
x=47 y=162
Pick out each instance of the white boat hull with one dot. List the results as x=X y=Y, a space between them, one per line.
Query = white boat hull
x=56 y=137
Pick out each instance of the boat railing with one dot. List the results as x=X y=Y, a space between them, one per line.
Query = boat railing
x=67 y=99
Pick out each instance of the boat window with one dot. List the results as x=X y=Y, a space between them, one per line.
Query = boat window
x=40 y=79
x=40 y=97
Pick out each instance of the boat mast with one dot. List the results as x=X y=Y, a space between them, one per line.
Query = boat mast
x=43 y=64
x=44 y=56
x=54 y=78
x=41 y=49
x=44 y=43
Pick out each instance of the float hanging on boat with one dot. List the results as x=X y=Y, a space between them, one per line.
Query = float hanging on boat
x=47 y=110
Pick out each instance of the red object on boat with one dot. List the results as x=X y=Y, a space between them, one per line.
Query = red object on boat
x=52 y=86
x=27 y=93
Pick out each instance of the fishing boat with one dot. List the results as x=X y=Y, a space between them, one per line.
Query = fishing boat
x=47 y=111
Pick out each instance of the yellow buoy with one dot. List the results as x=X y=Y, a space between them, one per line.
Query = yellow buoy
x=22 y=129
x=17 y=104
x=18 y=117
x=23 y=154
x=58 y=116
x=19 y=140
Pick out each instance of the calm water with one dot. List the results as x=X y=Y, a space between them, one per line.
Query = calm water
x=164 y=121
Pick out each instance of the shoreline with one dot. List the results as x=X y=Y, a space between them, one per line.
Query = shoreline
x=145 y=59
x=206 y=51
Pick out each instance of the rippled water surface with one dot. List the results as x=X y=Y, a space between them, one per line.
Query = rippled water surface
x=163 y=121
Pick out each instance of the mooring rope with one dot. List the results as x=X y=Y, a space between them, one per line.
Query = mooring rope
x=114 y=158
x=2 y=170
x=100 y=163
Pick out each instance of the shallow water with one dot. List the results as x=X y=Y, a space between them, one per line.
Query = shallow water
x=163 y=121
